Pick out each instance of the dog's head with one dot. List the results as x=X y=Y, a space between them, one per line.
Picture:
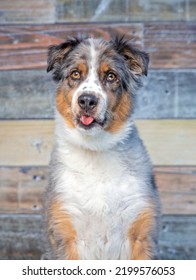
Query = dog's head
x=97 y=80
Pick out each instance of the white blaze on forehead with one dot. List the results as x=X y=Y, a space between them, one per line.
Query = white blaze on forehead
x=92 y=82
x=93 y=55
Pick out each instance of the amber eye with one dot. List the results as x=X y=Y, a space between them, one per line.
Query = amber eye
x=75 y=75
x=111 y=77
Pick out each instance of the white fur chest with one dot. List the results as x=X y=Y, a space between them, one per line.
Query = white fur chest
x=102 y=199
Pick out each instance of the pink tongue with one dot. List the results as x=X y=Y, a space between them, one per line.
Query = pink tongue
x=87 y=120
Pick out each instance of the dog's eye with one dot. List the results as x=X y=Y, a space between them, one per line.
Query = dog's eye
x=111 y=77
x=75 y=75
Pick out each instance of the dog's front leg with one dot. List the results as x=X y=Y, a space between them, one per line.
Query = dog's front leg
x=61 y=233
x=142 y=236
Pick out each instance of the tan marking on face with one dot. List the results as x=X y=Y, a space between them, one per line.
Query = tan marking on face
x=104 y=67
x=83 y=69
x=63 y=103
x=120 y=111
x=61 y=228
x=140 y=236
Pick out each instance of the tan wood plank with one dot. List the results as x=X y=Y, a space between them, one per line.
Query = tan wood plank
x=26 y=142
x=169 y=142
x=22 y=189
x=23 y=237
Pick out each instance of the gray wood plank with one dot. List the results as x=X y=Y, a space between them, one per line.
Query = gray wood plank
x=191 y=10
x=29 y=94
x=26 y=95
x=156 y=99
x=23 y=237
x=96 y=11
x=22 y=11
x=167 y=94
x=112 y=10
x=186 y=95
x=178 y=238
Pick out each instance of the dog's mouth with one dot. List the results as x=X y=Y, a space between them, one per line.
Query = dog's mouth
x=88 y=122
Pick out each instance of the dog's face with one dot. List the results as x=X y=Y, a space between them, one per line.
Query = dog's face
x=97 y=80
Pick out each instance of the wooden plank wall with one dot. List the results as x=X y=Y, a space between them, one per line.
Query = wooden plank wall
x=165 y=113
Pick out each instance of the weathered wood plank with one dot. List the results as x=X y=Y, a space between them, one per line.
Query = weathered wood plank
x=25 y=47
x=23 y=237
x=171 y=45
x=21 y=11
x=191 y=10
x=167 y=94
x=183 y=91
x=29 y=94
x=28 y=142
x=177 y=237
x=25 y=143
x=177 y=188
x=22 y=189
x=156 y=10
x=85 y=10
x=169 y=142
x=26 y=94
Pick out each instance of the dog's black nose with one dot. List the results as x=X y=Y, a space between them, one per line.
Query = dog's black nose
x=87 y=101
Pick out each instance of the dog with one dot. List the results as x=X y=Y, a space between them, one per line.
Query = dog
x=101 y=201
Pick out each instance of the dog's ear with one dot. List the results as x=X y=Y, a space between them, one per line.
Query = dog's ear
x=57 y=55
x=136 y=60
